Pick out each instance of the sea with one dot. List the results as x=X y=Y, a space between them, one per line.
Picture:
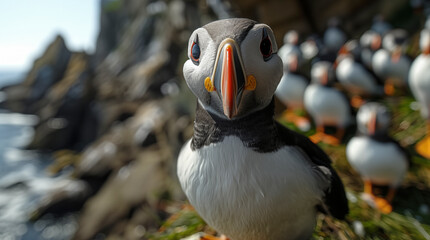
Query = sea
x=23 y=179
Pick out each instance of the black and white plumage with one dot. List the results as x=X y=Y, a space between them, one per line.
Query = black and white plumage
x=380 y=26
x=246 y=175
x=290 y=53
x=378 y=158
x=419 y=75
x=375 y=155
x=370 y=42
x=291 y=88
x=353 y=75
x=419 y=82
x=390 y=63
x=334 y=37
x=327 y=106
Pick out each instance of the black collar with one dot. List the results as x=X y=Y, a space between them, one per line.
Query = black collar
x=257 y=130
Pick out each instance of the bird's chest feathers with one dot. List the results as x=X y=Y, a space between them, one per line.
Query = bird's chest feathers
x=226 y=179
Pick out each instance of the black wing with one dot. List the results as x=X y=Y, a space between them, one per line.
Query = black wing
x=384 y=138
x=335 y=197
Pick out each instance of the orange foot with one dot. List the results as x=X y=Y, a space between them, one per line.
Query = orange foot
x=423 y=147
x=383 y=205
x=209 y=237
x=301 y=122
x=325 y=138
x=356 y=101
x=331 y=140
x=317 y=137
x=389 y=89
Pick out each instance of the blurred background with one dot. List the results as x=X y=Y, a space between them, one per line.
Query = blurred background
x=94 y=111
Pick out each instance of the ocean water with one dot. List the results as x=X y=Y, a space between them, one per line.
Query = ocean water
x=24 y=183
x=9 y=77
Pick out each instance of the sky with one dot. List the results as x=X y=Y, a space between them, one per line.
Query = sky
x=28 y=26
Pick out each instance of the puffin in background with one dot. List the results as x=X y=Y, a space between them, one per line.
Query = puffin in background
x=334 y=37
x=419 y=82
x=312 y=48
x=379 y=159
x=354 y=77
x=249 y=177
x=390 y=63
x=370 y=42
x=380 y=26
x=290 y=52
x=326 y=105
x=291 y=88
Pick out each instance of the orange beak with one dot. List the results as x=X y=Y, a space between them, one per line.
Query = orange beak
x=371 y=126
x=376 y=43
x=294 y=63
x=395 y=56
x=427 y=50
x=228 y=77
x=324 y=78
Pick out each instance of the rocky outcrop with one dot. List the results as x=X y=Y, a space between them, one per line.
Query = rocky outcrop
x=123 y=115
x=45 y=72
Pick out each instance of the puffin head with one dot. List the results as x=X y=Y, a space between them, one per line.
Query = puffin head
x=351 y=49
x=425 y=41
x=233 y=68
x=322 y=73
x=373 y=118
x=291 y=37
x=395 y=42
x=371 y=39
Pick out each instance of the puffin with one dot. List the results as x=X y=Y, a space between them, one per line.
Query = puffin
x=312 y=47
x=249 y=177
x=378 y=158
x=419 y=82
x=370 y=42
x=290 y=53
x=389 y=63
x=380 y=26
x=354 y=77
x=334 y=37
x=327 y=105
x=292 y=86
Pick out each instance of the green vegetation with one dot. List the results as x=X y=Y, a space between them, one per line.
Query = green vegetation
x=112 y=6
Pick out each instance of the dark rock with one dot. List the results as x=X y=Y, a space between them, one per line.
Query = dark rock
x=46 y=71
x=67 y=196
x=62 y=109
x=122 y=193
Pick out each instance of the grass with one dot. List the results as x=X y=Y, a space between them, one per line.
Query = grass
x=410 y=218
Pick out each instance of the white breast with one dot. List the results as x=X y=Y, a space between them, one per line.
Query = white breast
x=356 y=78
x=381 y=163
x=291 y=90
x=419 y=82
x=385 y=68
x=249 y=195
x=327 y=106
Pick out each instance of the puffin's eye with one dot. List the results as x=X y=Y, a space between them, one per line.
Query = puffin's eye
x=195 y=53
x=266 y=46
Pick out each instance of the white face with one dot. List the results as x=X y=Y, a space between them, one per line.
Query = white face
x=373 y=110
x=425 y=40
x=322 y=72
x=266 y=69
